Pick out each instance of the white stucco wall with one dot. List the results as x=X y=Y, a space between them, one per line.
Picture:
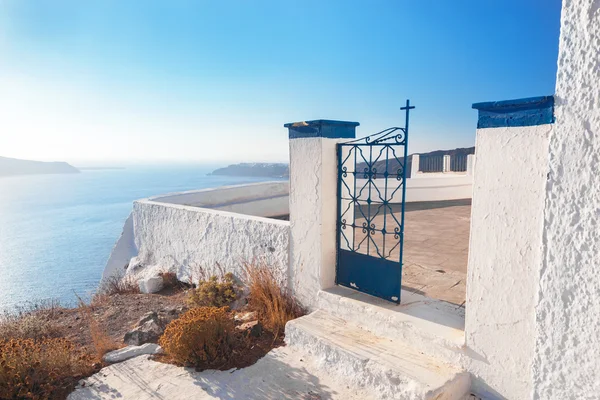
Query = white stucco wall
x=313 y=202
x=504 y=258
x=566 y=362
x=182 y=238
x=437 y=187
x=165 y=233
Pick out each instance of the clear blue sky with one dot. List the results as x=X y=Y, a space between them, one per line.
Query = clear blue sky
x=130 y=81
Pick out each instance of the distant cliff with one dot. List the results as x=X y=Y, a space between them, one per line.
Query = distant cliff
x=13 y=166
x=277 y=170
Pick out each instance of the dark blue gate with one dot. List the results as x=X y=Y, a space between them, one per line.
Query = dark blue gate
x=370 y=218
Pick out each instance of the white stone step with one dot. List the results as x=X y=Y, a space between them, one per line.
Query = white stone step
x=431 y=326
x=387 y=367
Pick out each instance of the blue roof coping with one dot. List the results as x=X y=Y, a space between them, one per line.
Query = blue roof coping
x=325 y=128
x=529 y=111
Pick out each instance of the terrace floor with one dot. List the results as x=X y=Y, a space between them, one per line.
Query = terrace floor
x=436 y=247
x=436 y=243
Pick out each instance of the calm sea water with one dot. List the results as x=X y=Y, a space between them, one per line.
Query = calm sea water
x=57 y=231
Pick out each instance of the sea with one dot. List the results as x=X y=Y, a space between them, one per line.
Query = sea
x=57 y=231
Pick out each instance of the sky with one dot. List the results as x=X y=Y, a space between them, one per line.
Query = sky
x=122 y=82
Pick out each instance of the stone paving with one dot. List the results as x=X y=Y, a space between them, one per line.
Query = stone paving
x=435 y=248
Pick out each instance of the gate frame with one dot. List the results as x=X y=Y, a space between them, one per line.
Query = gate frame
x=341 y=256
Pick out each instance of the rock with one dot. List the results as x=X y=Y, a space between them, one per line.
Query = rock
x=150 y=316
x=151 y=285
x=253 y=328
x=149 y=331
x=131 y=351
x=245 y=316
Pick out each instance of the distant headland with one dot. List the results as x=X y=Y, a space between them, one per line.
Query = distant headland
x=269 y=170
x=14 y=166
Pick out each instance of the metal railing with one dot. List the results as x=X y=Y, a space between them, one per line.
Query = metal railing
x=431 y=163
x=458 y=163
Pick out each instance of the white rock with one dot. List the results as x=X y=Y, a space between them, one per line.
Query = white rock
x=131 y=351
x=151 y=285
x=246 y=316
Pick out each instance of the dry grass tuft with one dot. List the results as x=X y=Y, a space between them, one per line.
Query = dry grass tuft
x=201 y=336
x=101 y=341
x=214 y=292
x=269 y=297
x=40 y=369
x=117 y=284
x=171 y=282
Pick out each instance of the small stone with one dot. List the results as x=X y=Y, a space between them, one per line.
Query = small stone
x=245 y=316
x=149 y=316
x=151 y=285
x=131 y=351
x=253 y=328
x=149 y=331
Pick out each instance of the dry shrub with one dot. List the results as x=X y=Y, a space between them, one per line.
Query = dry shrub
x=117 y=284
x=31 y=321
x=269 y=297
x=42 y=369
x=202 y=336
x=30 y=326
x=215 y=292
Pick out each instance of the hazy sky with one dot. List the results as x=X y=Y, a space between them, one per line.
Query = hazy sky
x=201 y=81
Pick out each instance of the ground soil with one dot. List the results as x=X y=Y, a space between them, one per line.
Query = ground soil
x=116 y=315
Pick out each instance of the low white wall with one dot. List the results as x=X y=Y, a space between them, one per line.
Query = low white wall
x=436 y=187
x=182 y=239
x=171 y=232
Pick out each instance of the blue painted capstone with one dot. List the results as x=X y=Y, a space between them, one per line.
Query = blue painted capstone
x=520 y=112
x=323 y=128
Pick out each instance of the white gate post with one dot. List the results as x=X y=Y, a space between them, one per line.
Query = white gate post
x=505 y=244
x=313 y=204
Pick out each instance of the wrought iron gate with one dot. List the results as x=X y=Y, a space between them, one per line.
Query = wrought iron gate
x=370 y=217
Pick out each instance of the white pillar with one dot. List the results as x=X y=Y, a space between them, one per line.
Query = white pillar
x=567 y=362
x=313 y=204
x=505 y=245
x=414 y=166
x=470 y=164
x=446 y=164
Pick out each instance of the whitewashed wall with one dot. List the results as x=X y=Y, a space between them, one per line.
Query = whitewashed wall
x=566 y=361
x=172 y=232
x=436 y=187
x=182 y=238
